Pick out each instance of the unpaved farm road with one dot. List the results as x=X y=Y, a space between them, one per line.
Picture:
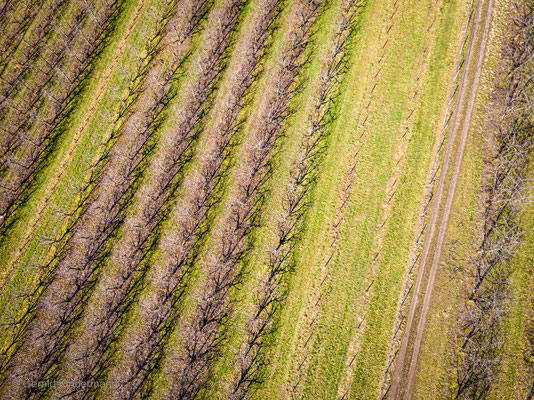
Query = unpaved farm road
x=403 y=383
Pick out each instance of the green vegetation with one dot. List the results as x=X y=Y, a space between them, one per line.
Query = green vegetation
x=266 y=199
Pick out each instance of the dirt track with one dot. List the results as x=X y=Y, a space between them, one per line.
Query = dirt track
x=403 y=382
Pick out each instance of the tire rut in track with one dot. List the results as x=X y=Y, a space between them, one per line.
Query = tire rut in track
x=460 y=124
x=387 y=207
x=404 y=299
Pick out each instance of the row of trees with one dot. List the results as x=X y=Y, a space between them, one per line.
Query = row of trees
x=203 y=334
x=80 y=194
x=143 y=348
x=119 y=288
x=19 y=67
x=68 y=279
x=303 y=174
x=505 y=193
x=37 y=45
x=40 y=89
x=21 y=306
x=16 y=17
x=6 y=8
x=21 y=19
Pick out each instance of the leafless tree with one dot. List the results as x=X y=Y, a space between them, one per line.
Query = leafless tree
x=159 y=309
x=202 y=338
x=62 y=292
x=37 y=92
x=505 y=193
x=303 y=174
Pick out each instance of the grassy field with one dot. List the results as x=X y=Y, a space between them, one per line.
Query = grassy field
x=230 y=199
